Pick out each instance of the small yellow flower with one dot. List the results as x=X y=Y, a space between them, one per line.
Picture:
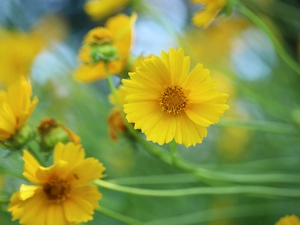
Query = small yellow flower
x=167 y=102
x=100 y=9
x=109 y=44
x=289 y=220
x=15 y=107
x=60 y=194
x=204 y=17
x=18 y=50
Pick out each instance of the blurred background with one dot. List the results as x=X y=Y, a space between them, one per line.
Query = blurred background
x=259 y=134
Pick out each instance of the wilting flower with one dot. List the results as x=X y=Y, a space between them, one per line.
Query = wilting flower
x=204 y=17
x=52 y=132
x=60 y=194
x=115 y=119
x=289 y=220
x=18 y=50
x=99 y=9
x=16 y=107
x=109 y=44
x=167 y=102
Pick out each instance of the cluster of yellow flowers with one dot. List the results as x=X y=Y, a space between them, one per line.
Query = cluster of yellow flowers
x=160 y=96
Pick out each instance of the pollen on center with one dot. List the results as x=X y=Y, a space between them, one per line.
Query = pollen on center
x=173 y=100
x=57 y=190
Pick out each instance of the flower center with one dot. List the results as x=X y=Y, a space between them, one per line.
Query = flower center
x=57 y=190
x=173 y=100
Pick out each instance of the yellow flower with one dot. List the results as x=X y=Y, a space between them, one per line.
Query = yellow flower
x=60 y=194
x=100 y=9
x=113 y=41
x=15 y=107
x=167 y=102
x=18 y=50
x=204 y=17
x=289 y=220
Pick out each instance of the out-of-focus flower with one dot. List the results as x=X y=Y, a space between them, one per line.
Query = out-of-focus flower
x=61 y=192
x=52 y=28
x=16 y=107
x=168 y=102
x=52 y=132
x=115 y=119
x=109 y=44
x=289 y=220
x=214 y=43
x=100 y=9
x=205 y=16
x=17 y=51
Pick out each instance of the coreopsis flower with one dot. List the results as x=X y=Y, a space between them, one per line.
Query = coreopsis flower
x=106 y=45
x=100 y=9
x=16 y=107
x=18 y=50
x=168 y=102
x=205 y=16
x=289 y=220
x=60 y=194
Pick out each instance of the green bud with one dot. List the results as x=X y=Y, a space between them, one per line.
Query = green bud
x=52 y=137
x=19 y=139
x=105 y=53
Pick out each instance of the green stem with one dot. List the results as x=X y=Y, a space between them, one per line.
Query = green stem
x=278 y=47
x=119 y=217
x=172 y=148
x=264 y=126
x=256 y=190
x=218 y=214
x=156 y=179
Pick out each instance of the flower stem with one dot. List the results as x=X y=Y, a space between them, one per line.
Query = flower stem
x=117 y=216
x=237 y=211
x=257 y=190
x=278 y=47
x=264 y=126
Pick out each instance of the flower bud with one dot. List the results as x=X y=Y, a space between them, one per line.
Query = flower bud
x=52 y=132
x=104 y=53
x=19 y=139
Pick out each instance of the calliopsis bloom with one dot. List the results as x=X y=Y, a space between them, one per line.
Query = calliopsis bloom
x=168 y=102
x=18 y=50
x=289 y=220
x=60 y=194
x=106 y=45
x=16 y=107
x=204 y=17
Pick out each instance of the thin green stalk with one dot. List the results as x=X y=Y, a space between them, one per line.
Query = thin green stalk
x=264 y=126
x=119 y=217
x=253 y=190
x=173 y=151
x=156 y=179
x=203 y=216
x=278 y=47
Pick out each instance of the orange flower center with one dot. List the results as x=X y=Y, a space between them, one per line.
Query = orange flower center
x=57 y=190
x=173 y=100
x=98 y=36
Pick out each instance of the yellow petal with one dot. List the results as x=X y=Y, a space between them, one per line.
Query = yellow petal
x=27 y=191
x=80 y=206
x=88 y=170
x=31 y=166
